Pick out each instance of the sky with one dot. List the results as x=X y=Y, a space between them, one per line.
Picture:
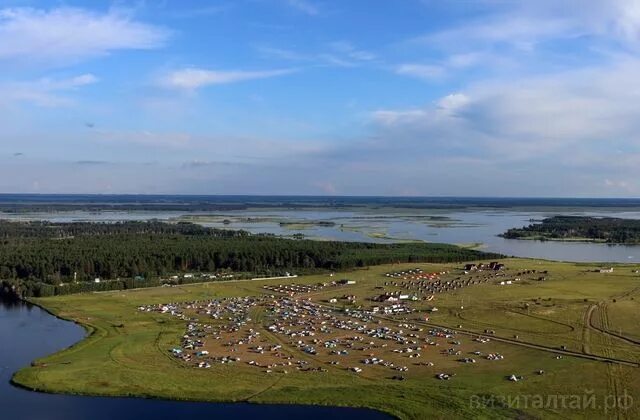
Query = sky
x=321 y=97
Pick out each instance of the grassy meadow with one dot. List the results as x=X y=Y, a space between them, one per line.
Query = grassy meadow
x=126 y=352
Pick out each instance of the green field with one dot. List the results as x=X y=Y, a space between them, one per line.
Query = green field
x=592 y=316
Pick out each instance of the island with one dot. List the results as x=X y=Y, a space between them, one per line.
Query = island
x=580 y=228
x=304 y=224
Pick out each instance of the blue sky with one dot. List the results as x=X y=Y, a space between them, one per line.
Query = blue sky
x=350 y=97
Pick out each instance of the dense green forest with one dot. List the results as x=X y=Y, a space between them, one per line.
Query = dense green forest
x=37 y=257
x=601 y=229
x=42 y=229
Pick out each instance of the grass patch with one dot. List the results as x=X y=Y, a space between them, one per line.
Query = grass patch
x=126 y=352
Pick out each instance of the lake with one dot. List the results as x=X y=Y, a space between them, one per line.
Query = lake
x=28 y=332
x=470 y=225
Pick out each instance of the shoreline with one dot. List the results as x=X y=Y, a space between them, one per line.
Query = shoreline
x=142 y=373
x=570 y=240
x=197 y=401
x=91 y=331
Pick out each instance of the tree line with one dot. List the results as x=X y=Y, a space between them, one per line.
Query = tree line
x=603 y=229
x=37 y=257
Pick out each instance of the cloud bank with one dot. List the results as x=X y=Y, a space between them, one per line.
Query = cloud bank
x=191 y=79
x=64 y=35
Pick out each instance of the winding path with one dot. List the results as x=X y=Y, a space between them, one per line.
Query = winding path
x=604 y=329
x=537 y=346
x=514 y=342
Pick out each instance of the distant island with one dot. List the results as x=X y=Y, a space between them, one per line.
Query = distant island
x=307 y=223
x=580 y=228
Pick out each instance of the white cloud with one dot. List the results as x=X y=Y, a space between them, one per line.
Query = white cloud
x=141 y=137
x=523 y=25
x=389 y=117
x=325 y=187
x=145 y=137
x=520 y=32
x=421 y=71
x=446 y=107
x=619 y=185
x=553 y=133
x=45 y=92
x=190 y=79
x=208 y=164
x=614 y=19
x=304 y=6
x=338 y=54
x=453 y=102
x=510 y=38
x=283 y=54
x=205 y=11
x=63 y=35
x=470 y=59
x=70 y=83
x=627 y=23
x=544 y=117
x=349 y=50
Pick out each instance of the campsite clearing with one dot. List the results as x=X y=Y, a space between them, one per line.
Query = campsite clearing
x=413 y=340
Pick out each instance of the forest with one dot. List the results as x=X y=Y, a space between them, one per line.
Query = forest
x=600 y=229
x=43 y=258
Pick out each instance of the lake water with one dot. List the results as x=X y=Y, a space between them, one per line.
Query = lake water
x=477 y=225
x=460 y=227
x=27 y=332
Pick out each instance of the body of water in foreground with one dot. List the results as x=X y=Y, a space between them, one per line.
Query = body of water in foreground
x=28 y=332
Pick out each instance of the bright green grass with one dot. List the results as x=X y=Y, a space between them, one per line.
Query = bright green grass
x=126 y=353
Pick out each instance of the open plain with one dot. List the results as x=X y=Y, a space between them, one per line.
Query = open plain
x=532 y=338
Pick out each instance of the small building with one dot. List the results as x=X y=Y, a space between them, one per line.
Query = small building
x=606 y=270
